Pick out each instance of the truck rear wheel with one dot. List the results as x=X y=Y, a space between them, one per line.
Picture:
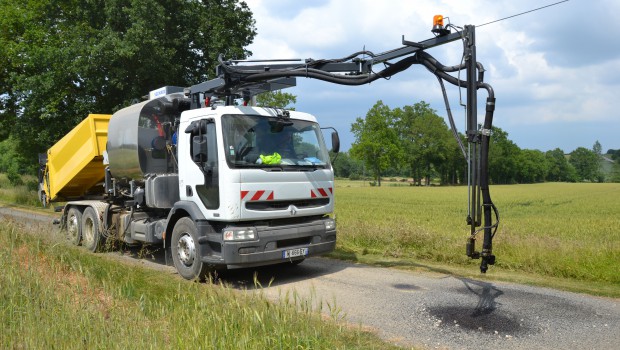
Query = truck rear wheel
x=74 y=226
x=186 y=252
x=91 y=236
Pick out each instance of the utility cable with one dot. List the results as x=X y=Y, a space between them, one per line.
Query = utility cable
x=522 y=13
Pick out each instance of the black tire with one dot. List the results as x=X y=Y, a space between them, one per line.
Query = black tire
x=186 y=252
x=74 y=226
x=91 y=235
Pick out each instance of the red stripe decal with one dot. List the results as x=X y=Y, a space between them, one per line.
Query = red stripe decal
x=322 y=192
x=312 y=195
x=270 y=197
x=257 y=195
x=331 y=190
x=243 y=194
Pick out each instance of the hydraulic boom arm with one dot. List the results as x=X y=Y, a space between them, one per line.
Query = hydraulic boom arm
x=244 y=79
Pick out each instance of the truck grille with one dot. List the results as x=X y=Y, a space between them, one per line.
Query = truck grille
x=283 y=205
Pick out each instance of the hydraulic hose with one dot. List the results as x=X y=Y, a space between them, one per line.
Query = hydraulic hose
x=308 y=72
x=489 y=228
x=440 y=73
x=241 y=77
x=433 y=61
x=455 y=133
x=487 y=245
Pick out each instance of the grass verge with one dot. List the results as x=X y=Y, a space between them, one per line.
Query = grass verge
x=58 y=296
x=24 y=194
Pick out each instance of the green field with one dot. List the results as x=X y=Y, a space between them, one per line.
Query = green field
x=558 y=234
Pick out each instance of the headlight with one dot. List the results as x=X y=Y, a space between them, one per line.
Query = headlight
x=239 y=234
x=330 y=224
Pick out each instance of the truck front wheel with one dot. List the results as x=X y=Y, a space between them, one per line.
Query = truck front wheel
x=186 y=252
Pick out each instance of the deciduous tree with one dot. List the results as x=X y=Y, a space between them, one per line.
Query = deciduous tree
x=586 y=163
x=503 y=155
x=277 y=99
x=347 y=167
x=532 y=166
x=597 y=148
x=559 y=167
x=63 y=59
x=425 y=140
x=376 y=140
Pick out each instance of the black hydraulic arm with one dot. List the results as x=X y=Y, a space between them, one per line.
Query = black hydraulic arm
x=247 y=78
x=244 y=79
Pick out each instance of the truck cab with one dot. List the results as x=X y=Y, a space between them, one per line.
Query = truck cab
x=262 y=182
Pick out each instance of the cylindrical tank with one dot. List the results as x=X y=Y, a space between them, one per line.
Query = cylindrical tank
x=137 y=137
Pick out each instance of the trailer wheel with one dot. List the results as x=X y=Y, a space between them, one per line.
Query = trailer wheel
x=91 y=236
x=186 y=252
x=74 y=226
x=43 y=199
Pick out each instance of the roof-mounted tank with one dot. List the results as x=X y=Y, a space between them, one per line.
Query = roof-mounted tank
x=140 y=136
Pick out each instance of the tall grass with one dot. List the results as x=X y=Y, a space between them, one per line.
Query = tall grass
x=559 y=230
x=57 y=296
x=564 y=230
x=23 y=194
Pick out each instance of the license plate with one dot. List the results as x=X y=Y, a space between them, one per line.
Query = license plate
x=293 y=253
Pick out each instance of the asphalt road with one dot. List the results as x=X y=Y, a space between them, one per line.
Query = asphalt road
x=426 y=310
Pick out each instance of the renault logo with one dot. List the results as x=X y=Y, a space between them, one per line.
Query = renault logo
x=292 y=209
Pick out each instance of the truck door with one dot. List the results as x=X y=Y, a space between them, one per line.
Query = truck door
x=203 y=151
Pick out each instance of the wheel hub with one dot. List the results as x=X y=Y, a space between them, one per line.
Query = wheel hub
x=186 y=249
x=88 y=235
x=72 y=227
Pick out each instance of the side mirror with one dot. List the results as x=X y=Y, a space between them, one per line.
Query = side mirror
x=199 y=149
x=335 y=142
x=196 y=127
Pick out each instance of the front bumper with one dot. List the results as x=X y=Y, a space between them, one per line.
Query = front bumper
x=269 y=246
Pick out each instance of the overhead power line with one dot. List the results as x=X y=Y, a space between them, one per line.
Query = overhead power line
x=522 y=13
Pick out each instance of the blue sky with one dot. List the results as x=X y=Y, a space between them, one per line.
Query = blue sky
x=556 y=72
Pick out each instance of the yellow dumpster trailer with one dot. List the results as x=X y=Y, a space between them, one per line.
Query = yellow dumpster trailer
x=73 y=167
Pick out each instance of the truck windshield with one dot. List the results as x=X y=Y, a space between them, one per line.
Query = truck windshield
x=259 y=141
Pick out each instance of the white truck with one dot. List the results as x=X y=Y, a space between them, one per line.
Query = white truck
x=221 y=186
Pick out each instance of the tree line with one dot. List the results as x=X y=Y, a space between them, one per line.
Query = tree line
x=415 y=142
x=63 y=59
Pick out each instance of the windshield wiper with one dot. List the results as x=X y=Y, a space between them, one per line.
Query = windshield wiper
x=301 y=167
x=272 y=168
